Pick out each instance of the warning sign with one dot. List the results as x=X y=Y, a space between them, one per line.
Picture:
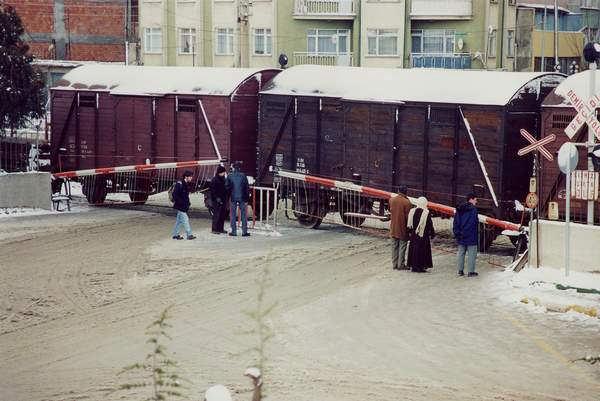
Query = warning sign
x=584 y=185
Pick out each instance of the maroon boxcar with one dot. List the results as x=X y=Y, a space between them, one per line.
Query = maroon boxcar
x=386 y=127
x=557 y=114
x=105 y=115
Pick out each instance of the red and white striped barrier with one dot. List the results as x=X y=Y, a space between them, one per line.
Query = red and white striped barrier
x=378 y=193
x=135 y=168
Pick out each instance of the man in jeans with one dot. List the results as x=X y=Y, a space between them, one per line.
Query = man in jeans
x=465 y=231
x=181 y=203
x=399 y=208
x=239 y=192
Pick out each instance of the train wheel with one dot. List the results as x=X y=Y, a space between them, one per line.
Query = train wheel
x=139 y=198
x=362 y=206
x=306 y=208
x=95 y=191
x=487 y=235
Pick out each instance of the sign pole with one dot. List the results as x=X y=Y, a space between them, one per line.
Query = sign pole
x=591 y=140
x=567 y=221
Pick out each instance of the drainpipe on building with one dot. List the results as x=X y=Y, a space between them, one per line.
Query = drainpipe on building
x=556 y=35
x=544 y=18
x=502 y=33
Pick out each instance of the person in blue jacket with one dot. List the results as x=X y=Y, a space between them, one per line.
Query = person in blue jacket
x=239 y=193
x=181 y=203
x=465 y=227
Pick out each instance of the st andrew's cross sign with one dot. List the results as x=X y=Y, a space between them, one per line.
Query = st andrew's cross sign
x=586 y=113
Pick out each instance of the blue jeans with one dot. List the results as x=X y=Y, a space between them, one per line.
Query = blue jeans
x=233 y=216
x=471 y=251
x=182 y=220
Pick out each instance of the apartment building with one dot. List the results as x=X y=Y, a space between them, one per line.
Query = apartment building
x=220 y=33
x=374 y=33
x=82 y=30
x=537 y=48
x=462 y=34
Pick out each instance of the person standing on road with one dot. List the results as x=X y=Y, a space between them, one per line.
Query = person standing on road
x=420 y=228
x=399 y=208
x=218 y=195
x=239 y=191
x=181 y=203
x=465 y=227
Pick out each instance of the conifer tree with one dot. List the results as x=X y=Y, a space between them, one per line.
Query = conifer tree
x=22 y=94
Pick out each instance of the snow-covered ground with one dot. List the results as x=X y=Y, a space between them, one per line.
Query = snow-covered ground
x=547 y=290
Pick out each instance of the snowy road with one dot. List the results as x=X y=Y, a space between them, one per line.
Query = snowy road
x=79 y=290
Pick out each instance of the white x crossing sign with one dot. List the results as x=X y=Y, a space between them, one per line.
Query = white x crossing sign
x=586 y=113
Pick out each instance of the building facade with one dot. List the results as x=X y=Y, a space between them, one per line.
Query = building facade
x=78 y=29
x=458 y=34
x=539 y=49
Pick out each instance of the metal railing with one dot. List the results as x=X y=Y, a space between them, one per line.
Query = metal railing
x=590 y=4
x=325 y=8
x=457 y=61
x=333 y=59
x=438 y=9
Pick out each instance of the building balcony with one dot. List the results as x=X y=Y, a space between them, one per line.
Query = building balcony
x=456 y=61
x=441 y=9
x=333 y=59
x=325 y=9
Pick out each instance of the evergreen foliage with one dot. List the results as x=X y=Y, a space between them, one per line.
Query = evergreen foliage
x=158 y=371
x=22 y=95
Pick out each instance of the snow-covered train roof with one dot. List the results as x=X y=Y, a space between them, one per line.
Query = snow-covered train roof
x=403 y=85
x=578 y=83
x=146 y=80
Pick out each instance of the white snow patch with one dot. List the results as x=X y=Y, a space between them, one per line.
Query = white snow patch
x=217 y=392
x=578 y=83
x=537 y=286
x=252 y=372
x=15 y=212
x=145 y=80
x=402 y=84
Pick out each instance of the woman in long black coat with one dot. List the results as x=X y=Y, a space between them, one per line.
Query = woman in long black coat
x=218 y=195
x=420 y=228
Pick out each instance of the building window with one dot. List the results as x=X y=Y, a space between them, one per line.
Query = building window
x=433 y=41
x=382 y=42
x=492 y=43
x=187 y=41
x=153 y=40
x=328 y=41
x=263 y=42
x=224 y=41
x=510 y=42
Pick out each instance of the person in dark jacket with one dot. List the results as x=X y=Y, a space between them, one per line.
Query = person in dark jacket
x=239 y=193
x=465 y=227
x=181 y=203
x=399 y=208
x=420 y=228
x=218 y=195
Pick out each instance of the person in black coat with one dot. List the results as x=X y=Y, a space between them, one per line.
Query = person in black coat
x=181 y=203
x=218 y=195
x=420 y=228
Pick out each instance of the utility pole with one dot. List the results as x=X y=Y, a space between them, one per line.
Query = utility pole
x=556 y=66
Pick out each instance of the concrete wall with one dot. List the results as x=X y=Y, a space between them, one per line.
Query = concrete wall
x=25 y=190
x=584 y=253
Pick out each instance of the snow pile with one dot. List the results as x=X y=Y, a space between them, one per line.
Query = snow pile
x=546 y=289
x=25 y=211
x=399 y=84
x=144 y=80
x=217 y=392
